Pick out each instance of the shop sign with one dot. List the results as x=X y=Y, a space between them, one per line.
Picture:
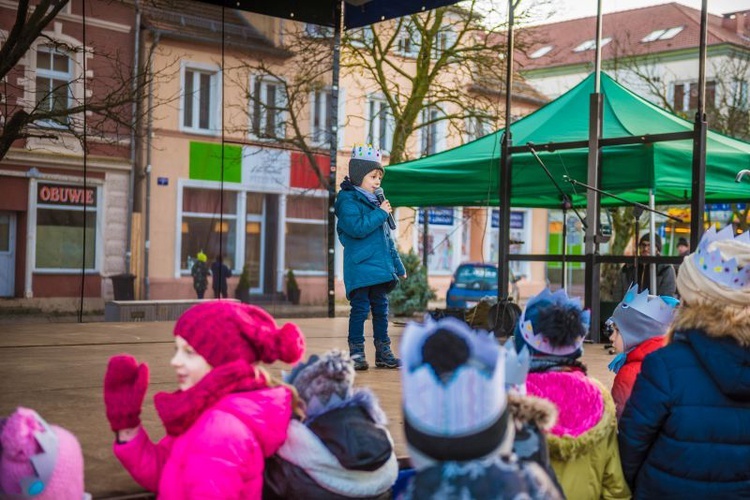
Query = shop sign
x=438 y=216
x=517 y=219
x=61 y=194
x=266 y=169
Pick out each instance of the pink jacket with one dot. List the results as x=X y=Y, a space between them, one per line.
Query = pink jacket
x=220 y=456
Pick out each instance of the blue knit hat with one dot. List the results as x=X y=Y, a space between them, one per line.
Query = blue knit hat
x=641 y=316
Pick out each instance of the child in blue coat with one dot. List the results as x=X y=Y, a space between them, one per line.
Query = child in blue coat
x=372 y=265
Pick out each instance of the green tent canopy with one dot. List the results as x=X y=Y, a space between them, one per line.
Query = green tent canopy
x=468 y=175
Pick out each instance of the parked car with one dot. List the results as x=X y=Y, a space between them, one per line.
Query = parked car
x=473 y=281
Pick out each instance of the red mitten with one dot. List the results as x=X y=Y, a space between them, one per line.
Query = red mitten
x=125 y=387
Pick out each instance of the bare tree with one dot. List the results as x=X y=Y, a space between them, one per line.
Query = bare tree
x=58 y=107
x=425 y=65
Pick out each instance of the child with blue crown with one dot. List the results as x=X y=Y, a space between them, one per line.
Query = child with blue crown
x=684 y=432
x=583 y=442
x=458 y=421
x=636 y=329
x=372 y=265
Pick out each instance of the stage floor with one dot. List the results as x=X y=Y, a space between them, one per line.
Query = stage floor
x=57 y=369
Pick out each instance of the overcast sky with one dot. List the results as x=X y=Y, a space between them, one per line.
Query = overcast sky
x=571 y=9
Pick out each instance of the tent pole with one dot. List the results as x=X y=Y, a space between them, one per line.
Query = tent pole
x=652 y=230
x=698 y=203
x=592 y=274
x=334 y=110
x=506 y=163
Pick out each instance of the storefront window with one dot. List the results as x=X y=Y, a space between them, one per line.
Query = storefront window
x=66 y=236
x=205 y=228
x=306 y=233
x=441 y=240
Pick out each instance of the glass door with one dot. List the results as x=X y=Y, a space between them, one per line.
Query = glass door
x=255 y=226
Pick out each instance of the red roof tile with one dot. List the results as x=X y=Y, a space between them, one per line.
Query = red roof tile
x=626 y=28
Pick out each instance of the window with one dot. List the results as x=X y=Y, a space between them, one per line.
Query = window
x=268 y=104
x=54 y=73
x=591 y=44
x=318 y=31
x=477 y=126
x=408 y=41
x=685 y=96
x=432 y=133
x=66 y=236
x=541 y=52
x=444 y=40
x=739 y=94
x=203 y=228
x=664 y=34
x=360 y=37
x=321 y=119
x=200 y=100
x=381 y=125
x=306 y=233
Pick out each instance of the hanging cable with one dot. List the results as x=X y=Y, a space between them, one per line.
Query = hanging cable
x=85 y=165
x=221 y=190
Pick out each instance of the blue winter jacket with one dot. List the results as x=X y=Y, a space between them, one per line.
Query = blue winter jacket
x=685 y=432
x=370 y=256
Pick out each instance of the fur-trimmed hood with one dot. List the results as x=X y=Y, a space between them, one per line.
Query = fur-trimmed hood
x=720 y=339
x=714 y=321
x=531 y=409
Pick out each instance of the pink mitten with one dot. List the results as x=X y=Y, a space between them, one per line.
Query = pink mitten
x=125 y=387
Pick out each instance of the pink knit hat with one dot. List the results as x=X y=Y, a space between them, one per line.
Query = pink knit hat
x=39 y=461
x=222 y=331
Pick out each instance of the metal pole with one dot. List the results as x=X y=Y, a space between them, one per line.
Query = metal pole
x=563 y=277
x=133 y=135
x=149 y=133
x=506 y=163
x=652 y=230
x=698 y=203
x=592 y=274
x=334 y=112
x=425 y=231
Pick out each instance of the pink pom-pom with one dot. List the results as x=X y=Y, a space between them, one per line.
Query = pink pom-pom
x=289 y=343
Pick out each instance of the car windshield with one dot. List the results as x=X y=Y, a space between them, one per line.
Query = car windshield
x=481 y=277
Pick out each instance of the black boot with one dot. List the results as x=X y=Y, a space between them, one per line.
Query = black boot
x=357 y=353
x=384 y=357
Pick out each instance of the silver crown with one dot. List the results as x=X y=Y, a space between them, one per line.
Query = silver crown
x=710 y=261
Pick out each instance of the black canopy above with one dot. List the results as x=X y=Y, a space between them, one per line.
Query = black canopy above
x=357 y=13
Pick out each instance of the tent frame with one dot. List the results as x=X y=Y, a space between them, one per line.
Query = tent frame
x=592 y=259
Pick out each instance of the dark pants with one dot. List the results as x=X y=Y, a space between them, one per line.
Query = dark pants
x=200 y=293
x=223 y=292
x=363 y=300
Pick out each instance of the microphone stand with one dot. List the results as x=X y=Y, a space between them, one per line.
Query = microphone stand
x=638 y=209
x=565 y=205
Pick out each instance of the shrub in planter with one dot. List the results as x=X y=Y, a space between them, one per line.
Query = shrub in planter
x=243 y=286
x=293 y=292
x=413 y=293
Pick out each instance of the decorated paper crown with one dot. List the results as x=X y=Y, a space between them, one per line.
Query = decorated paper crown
x=538 y=340
x=652 y=306
x=640 y=316
x=517 y=367
x=453 y=401
x=366 y=152
x=709 y=261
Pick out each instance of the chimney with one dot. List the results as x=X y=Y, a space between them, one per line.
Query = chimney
x=736 y=22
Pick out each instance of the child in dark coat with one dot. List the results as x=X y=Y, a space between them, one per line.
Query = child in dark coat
x=372 y=265
x=684 y=432
x=342 y=449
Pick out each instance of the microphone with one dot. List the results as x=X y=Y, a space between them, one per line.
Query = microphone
x=381 y=198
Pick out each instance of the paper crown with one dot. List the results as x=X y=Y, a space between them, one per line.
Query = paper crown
x=366 y=152
x=23 y=423
x=469 y=398
x=710 y=262
x=323 y=382
x=539 y=341
x=652 y=306
x=517 y=365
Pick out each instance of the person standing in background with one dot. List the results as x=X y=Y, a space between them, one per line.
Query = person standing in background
x=220 y=273
x=199 y=271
